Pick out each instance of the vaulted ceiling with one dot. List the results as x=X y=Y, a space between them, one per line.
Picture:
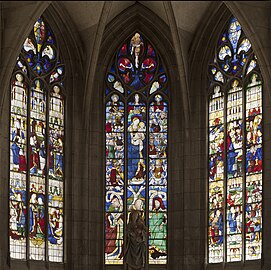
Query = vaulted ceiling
x=85 y=15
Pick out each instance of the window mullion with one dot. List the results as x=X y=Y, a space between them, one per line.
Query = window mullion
x=147 y=210
x=125 y=161
x=244 y=174
x=225 y=92
x=47 y=172
x=28 y=172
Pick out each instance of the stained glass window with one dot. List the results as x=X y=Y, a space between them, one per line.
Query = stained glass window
x=37 y=149
x=235 y=150
x=136 y=138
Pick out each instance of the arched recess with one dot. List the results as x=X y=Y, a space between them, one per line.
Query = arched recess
x=71 y=56
x=203 y=48
x=133 y=19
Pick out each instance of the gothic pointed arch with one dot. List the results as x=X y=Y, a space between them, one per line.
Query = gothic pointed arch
x=235 y=149
x=119 y=31
x=136 y=142
x=36 y=221
x=67 y=56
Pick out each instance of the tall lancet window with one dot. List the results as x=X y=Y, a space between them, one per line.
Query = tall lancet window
x=37 y=149
x=235 y=150
x=136 y=138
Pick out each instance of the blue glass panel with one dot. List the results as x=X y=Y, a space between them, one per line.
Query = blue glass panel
x=234 y=159
x=136 y=171
x=254 y=159
x=114 y=199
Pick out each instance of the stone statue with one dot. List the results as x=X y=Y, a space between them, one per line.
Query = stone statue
x=135 y=252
